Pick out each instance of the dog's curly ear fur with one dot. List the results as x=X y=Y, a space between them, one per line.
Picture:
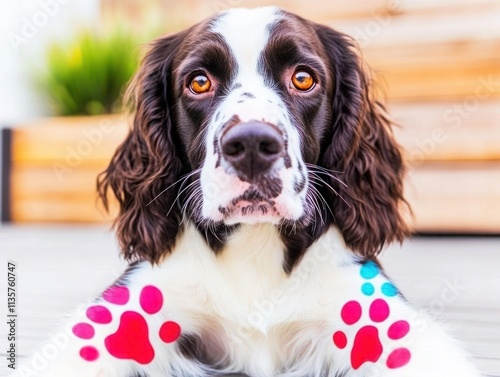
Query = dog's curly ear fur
x=146 y=163
x=361 y=147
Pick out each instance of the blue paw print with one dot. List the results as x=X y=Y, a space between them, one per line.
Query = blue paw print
x=368 y=271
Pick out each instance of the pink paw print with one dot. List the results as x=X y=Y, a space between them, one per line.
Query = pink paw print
x=367 y=346
x=131 y=340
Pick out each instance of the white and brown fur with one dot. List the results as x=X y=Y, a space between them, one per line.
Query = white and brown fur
x=256 y=265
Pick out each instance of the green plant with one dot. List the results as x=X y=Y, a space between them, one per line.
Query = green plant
x=88 y=75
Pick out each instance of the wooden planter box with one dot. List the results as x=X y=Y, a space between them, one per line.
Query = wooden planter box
x=54 y=166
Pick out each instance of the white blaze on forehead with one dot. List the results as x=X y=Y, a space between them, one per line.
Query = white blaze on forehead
x=246 y=32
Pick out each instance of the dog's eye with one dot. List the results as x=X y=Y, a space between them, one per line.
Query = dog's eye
x=303 y=81
x=200 y=84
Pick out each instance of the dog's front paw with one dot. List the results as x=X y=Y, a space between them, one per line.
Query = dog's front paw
x=132 y=339
x=370 y=330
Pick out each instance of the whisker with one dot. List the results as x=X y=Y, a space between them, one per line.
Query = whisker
x=293 y=229
x=319 y=180
x=180 y=193
x=327 y=174
x=314 y=166
x=316 y=204
x=212 y=230
x=280 y=227
x=185 y=177
x=195 y=195
x=324 y=201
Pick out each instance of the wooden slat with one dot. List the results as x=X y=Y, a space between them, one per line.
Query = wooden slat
x=443 y=6
x=455 y=197
x=182 y=14
x=42 y=181
x=425 y=29
x=321 y=10
x=68 y=142
x=466 y=130
x=442 y=85
x=39 y=196
x=59 y=211
x=432 y=56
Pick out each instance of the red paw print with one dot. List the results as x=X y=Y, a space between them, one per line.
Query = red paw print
x=367 y=346
x=131 y=340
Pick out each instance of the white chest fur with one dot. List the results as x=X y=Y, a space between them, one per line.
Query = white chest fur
x=248 y=316
x=243 y=300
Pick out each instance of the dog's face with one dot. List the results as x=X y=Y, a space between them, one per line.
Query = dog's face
x=255 y=116
x=253 y=105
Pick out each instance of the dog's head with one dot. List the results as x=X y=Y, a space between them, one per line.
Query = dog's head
x=255 y=116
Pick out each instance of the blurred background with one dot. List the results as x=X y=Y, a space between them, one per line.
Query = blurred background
x=65 y=63
x=63 y=68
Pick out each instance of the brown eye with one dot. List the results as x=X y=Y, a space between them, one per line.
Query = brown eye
x=200 y=84
x=303 y=81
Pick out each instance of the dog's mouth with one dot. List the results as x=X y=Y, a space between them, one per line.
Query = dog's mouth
x=251 y=207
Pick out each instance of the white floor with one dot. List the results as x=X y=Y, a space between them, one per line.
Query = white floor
x=58 y=268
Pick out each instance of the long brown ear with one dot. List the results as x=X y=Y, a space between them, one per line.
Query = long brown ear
x=147 y=162
x=361 y=147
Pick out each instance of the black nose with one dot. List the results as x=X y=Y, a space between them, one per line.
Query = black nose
x=252 y=147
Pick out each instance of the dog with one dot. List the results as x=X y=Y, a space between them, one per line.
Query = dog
x=258 y=183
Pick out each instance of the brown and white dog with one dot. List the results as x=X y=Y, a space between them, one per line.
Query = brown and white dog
x=258 y=183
